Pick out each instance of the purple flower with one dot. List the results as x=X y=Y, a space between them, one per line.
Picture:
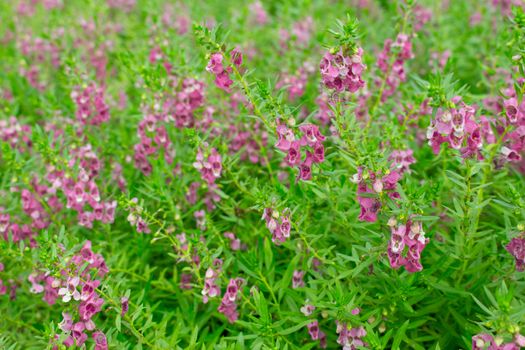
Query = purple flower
x=124 y=306
x=313 y=329
x=294 y=154
x=236 y=57
x=297 y=279
x=216 y=67
x=342 y=73
x=516 y=248
x=215 y=64
x=405 y=246
x=101 y=342
x=307 y=309
x=228 y=306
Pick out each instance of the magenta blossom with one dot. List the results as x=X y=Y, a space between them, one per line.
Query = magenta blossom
x=516 y=248
x=405 y=246
x=341 y=72
x=222 y=73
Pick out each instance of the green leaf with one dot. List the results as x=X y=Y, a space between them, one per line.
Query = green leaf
x=400 y=336
x=118 y=321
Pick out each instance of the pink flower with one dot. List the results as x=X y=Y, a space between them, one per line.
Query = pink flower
x=88 y=289
x=91 y=106
x=305 y=168
x=458 y=127
x=90 y=307
x=228 y=306
x=124 y=305
x=516 y=247
x=297 y=279
x=142 y=226
x=480 y=342
x=307 y=309
x=216 y=67
x=77 y=331
x=413 y=238
x=185 y=281
x=260 y=15
x=394 y=72
x=278 y=224
x=402 y=159
x=311 y=135
x=101 y=342
x=421 y=17
x=67 y=322
x=369 y=208
x=350 y=338
x=235 y=243
x=342 y=73
x=294 y=154
x=209 y=168
x=236 y=57
x=313 y=329
x=223 y=81
x=70 y=291
x=286 y=137
x=318 y=155
x=211 y=289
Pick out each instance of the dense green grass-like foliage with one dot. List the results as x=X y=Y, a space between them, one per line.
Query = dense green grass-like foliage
x=380 y=141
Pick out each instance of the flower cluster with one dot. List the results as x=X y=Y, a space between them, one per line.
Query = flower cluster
x=410 y=236
x=124 y=5
x=514 y=140
x=394 y=72
x=278 y=223
x=180 y=22
x=38 y=52
x=325 y=113
x=301 y=32
x=211 y=289
x=235 y=243
x=422 y=15
x=505 y=6
x=79 y=284
x=180 y=108
x=17 y=135
x=516 y=247
x=209 y=167
x=401 y=160
x=153 y=138
x=222 y=74
x=350 y=338
x=245 y=138
x=311 y=139
x=488 y=342
x=200 y=219
x=369 y=186
x=458 y=127
x=259 y=13
x=81 y=192
x=228 y=306
x=296 y=84
x=91 y=106
x=135 y=217
x=83 y=195
x=342 y=72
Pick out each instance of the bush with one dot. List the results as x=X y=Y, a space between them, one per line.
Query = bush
x=265 y=175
